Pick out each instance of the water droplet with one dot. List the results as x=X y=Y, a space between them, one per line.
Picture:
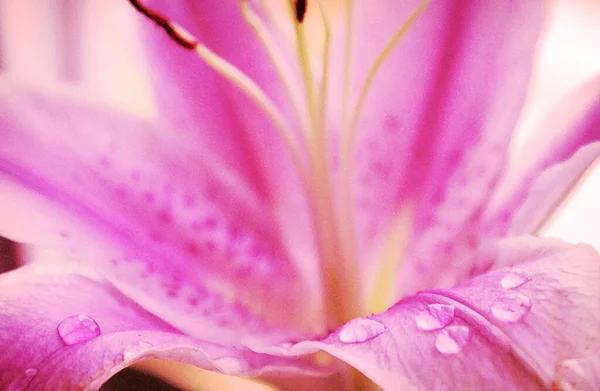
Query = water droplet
x=361 y=330
x=435 y=317
x=511 y=307
x=452 y=339
x=31 y=372
x=513 y=280
x=77 y=329
x=134 y=351
x=230 y=365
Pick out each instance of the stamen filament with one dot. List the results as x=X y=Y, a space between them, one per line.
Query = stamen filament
x=339 y=279
x=252 y=90
x=276 y=57
x=234 y=75
x=347 y=64
x=306 y=74
x=349 y=133
x=378 y=63
x=325 y=70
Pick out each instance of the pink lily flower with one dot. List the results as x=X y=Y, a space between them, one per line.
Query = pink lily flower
x=322 y=200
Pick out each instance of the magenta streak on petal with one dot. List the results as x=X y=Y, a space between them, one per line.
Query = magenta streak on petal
x=117 y=233
x=116 y=230
x=437 y=125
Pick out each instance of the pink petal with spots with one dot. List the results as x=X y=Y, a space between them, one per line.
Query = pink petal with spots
x=207 y=109
x=179 y=234
x=35 y=356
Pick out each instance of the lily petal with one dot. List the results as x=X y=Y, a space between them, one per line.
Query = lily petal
x=437 y=123
x=174 y=231
x=527 y=327
x=539 y=180
x=524 y=193
x=38 y=352
x=208 y=109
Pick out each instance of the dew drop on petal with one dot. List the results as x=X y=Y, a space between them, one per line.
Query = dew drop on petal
x=77 y=329
x=230 y=365
x=452 y=339
x=435 y=317
x=134 y=351
x=511 y=307
x=31 y=372
x=513 y=280
x=361 y=330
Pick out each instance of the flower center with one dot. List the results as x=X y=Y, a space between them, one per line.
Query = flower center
x=307 y=29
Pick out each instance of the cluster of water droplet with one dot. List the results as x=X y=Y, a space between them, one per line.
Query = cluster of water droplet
x=452 y=338
x=510 y=307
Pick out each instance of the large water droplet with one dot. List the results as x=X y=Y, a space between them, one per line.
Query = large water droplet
x=435 y=317
x=361 y=330
x=452 y=339
x=511 y=307
x=513 y=279
x=31 y=372
x=77 y=329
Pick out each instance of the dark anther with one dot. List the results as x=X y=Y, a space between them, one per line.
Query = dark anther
x=165 y=24
x=300 y=10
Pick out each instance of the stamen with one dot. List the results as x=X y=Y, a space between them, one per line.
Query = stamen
x=301 y=46
x=339 y=277
x=276 y=57
x=234 y=75
x=349 y=133
x=379 y=62
x=347 y=63
x=301 y=6
x=184 y=40
x=325 y=70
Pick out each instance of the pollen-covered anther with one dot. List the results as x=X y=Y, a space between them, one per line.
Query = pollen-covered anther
x=300 y=7
x=233 y=74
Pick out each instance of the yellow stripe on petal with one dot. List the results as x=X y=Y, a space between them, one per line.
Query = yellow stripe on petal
x=382 y=290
